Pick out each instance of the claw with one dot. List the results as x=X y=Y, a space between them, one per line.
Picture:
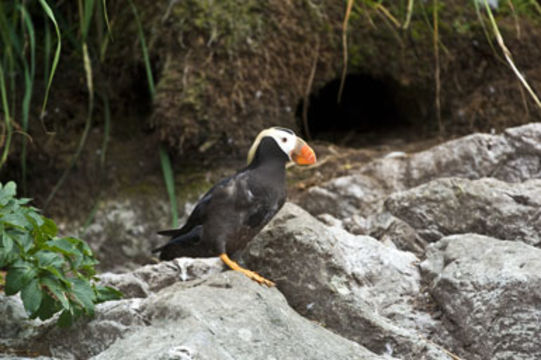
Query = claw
x=250 y=274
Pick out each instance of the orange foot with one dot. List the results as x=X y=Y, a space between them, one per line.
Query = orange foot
x=251 y=274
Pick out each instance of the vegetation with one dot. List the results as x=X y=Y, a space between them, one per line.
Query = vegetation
x=18 y=42
x=33 y=37
x=51 y=273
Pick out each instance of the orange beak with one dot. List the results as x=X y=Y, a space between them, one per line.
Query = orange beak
x=303 y=154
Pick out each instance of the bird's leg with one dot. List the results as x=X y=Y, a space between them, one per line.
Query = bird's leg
x=251 y=274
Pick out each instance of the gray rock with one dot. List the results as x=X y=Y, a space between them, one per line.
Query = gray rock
x=211 y=315
x=525 y=163
x=228 y=317
x=16 y=329
x=354 y=285
x=346 y=195
x=151 y=278
x=391 y=230
x=123 y=232
x=485 y=206
x=15 y=322
x=472 y=157
x=513 y=156
x=490 y=293
x=113 y=320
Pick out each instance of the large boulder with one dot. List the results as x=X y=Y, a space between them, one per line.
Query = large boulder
x=485 y=206
x=228 y=317
x=189 y=309
x=355 y=285
x=490 y=293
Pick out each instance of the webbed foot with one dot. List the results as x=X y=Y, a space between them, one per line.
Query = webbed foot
x=249 y=273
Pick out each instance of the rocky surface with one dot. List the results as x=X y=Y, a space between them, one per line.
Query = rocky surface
x=418 y=256
x=513 y=156
x=123 y=231
x=216 y=315
x=15 y=328
x=151 y=278
x=485 y=206
x=354 y=285
x=228 y=317
x=490 y=293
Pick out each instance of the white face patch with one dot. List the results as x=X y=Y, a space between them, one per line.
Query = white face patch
x=285 y=138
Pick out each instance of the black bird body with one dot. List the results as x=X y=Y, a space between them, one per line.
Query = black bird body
x=232 y=212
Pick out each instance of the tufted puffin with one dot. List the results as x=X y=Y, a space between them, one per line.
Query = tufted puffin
x=233 y=211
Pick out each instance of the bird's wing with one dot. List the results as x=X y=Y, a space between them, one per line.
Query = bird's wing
x=262 y=204
x=199 y=213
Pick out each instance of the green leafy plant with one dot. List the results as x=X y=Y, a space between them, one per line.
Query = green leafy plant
x=52 y=273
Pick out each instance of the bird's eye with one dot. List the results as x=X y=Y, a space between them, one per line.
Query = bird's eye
x=284 y=139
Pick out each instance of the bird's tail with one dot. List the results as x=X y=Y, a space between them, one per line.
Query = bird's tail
x=179 y=237
x=170 y=232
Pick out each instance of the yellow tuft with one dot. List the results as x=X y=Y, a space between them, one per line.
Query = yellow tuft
x=255 y=144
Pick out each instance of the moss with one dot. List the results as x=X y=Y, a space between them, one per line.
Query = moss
x=224 y=25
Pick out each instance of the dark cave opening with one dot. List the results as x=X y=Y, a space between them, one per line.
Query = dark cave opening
x=370 y=108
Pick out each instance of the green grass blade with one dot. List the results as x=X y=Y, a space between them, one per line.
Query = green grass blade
x=408 y=15
x=148 y=68
x=106 y=16
x=86 y=16
x=88 y=71
x=56 y=58
x=12 y=66
x=28 y=87
x=31 y=38
x=29 y=73
x=486 y=32
x=169 y=179
x=8 y=41
x=104 y=40
x=7 y=118
x=47 y=47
